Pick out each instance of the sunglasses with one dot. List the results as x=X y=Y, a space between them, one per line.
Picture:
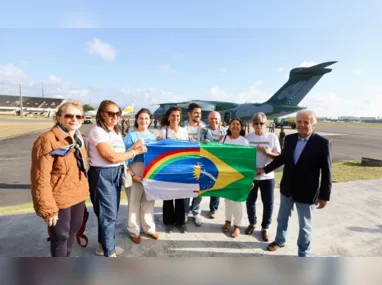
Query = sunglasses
x=258 y=124
x=112 y=114
x=71 y=116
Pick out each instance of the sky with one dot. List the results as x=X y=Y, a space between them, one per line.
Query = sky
x=151 y=52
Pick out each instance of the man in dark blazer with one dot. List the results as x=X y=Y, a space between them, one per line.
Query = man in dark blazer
x=305 y=156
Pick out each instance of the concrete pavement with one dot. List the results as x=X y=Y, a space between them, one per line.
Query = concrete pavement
x=350 y=225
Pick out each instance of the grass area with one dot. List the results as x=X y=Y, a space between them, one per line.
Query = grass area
x=11 y=129
x=345 y=171
x=342 y=172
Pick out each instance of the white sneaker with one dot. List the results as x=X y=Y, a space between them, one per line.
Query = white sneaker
x=118 y=250
x=198 y=220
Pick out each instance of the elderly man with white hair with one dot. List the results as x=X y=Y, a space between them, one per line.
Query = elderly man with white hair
x=306 y=156
x=213 y=133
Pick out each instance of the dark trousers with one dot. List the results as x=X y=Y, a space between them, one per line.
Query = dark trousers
x=267 y=197
x=105 y=193
x=174 y=214
x=63 y=233
x=214 y=203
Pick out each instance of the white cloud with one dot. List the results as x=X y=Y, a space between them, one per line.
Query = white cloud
x=54 y=78
x=331 y=104
x=166 y=68
x=252 y=95
x=222 y=70
x=10 y=73
x=102 y=49
x=308 y=63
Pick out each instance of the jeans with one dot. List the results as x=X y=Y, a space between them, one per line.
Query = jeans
x=64 y=232
x=214 y=203
x=105 y=193
x=195 y=205
x=305 y=212
x=267 y=197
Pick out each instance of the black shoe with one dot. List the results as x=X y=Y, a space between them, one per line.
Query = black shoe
x=182 y=229
x=250 y=229
x=168 y=229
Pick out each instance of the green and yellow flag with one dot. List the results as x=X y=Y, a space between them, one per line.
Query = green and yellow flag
x=179 y=169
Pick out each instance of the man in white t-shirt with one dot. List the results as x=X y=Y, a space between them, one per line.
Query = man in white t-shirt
x=268 y=147
x=194 y=125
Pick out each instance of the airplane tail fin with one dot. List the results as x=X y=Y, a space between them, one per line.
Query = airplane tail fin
x=301 y=81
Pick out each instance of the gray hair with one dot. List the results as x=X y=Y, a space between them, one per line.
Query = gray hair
x=310 y=113
x=259 y=116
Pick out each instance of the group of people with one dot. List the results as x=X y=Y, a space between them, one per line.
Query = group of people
x=65 y=173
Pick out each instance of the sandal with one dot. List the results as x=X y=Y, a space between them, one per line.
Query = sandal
x=226 y=227
x=236 y=231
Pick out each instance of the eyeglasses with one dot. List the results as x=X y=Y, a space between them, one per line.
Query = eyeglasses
x=112 y=114
x=258 y=123
x=71 y=116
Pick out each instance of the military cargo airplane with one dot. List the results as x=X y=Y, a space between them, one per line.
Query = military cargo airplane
x=285 y=101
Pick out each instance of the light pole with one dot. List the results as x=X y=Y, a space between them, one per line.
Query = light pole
x=21 y=101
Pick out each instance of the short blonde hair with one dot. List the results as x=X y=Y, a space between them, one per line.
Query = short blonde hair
x=64 y=106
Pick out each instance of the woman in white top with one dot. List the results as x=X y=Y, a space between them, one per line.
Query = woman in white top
x=140 y=209
x=234 y=210
x=107 y=154
x=268 y=147
x=173 y=214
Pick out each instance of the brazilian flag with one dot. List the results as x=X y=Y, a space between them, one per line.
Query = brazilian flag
x=182 y=169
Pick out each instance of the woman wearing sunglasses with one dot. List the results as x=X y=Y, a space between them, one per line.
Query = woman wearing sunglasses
x=233 y=210
x=268 y=147
x=58 y=177
x=140 y=209
x=107 y=154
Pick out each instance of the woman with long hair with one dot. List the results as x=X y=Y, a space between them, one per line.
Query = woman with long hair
x=173 y=210
x=140 y=209
x=107 y=153
x=233 y=210
x=58 y=177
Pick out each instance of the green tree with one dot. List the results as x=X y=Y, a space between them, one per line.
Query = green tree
x=87 y=107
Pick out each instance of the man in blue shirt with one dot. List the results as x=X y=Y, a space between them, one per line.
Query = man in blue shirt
x=306 y=156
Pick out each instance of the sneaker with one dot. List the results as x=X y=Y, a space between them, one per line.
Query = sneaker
x=198 y=220
x=118 y=250
x=212 y=215
x=249 y=230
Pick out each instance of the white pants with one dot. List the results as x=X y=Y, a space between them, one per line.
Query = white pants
x=233 y=212
x=139 y=208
